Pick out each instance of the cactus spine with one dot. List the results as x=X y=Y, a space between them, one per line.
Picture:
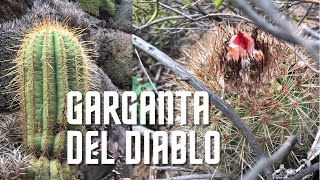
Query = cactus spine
x=288 y=106
x=50 y=63
x=278 y=98
x=43 y=168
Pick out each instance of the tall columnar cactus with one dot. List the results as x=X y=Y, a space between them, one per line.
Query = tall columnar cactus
x=51 y=62
x=274 y=95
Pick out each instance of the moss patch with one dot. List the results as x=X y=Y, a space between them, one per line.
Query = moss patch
x=94 y=6
x=115 y=56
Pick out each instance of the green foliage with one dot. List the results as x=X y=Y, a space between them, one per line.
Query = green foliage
x=137 y=87
x=187 y=1
x=109 y=6
x=144 y=12
x=217 y=3
x=156 y=11
x=295 y=18
x=170 y=32
x=94 y=6
x=91 y=6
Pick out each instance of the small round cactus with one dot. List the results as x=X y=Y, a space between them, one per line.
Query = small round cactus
x=272 y=94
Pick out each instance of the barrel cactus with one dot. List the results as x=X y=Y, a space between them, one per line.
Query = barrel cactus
x=275 y=95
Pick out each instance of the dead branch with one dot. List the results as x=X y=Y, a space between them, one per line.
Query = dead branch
x=311 y=32
x=264 y=163
x=170 y=168
x=196 y=176
x=303 y=59
x=313 y=168
x=278 y=26
x=165 y=19
x=308 y=1
x=194 y=17
x=175 y=10
x=315 y=148
x=181 y=72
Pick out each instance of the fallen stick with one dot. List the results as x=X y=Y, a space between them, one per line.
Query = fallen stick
x=264 y=163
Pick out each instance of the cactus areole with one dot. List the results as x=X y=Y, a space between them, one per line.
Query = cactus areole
x=50 y=63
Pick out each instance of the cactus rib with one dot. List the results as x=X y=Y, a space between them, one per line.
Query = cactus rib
x=51 y=62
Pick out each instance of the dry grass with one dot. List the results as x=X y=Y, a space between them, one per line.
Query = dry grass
x=13 y=163
x=14 y=159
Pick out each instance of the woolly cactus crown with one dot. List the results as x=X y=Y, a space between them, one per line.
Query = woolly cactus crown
x=207 y=59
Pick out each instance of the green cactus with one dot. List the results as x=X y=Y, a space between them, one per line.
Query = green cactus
x=285 y=108
x=109 y=6
x=60 y=143
x=288 y=106
x=277 y=100
x=56 y=143
x=93 y=6
x=46 y=169
x=51 y=62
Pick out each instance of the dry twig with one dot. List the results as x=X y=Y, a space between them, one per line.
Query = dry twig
x=308 y=1
x=264 y=163
x=196 y=176
x=303 y=59
x=279 y=26
x=313 y=168
x=170 y=168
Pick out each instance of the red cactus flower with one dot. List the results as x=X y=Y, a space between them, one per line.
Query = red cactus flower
x=245 y=63
x=241 y=46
